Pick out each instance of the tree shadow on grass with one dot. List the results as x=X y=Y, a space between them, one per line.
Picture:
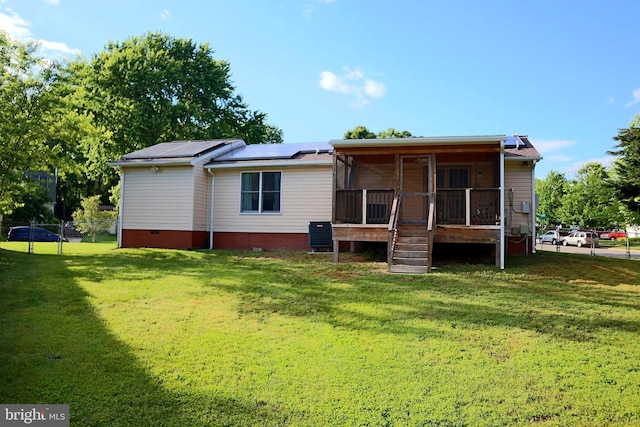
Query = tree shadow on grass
x=542 y=293
x=561 y=306
x=564 y=297
x=56 y=350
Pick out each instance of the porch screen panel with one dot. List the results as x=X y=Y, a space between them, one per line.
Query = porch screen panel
x=451 y=183
x=414 y=188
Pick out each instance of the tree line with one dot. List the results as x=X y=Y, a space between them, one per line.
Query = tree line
x=71 y=118
x=597 y=197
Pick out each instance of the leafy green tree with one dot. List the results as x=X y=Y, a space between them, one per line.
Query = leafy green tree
x=551 y=191
x=40 y=129
x=359 y=132
x=392 y=133
x=156 y=88
x=27 y=117
x=626 y=169
x=90 y=219
x=589 y=200
x=34 y=199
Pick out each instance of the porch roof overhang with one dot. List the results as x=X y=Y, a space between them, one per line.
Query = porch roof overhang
x=422 y=141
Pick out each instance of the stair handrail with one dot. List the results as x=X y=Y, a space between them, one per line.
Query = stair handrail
x=431 y=215
x=393 y=230
x=430 y=221
x=393 y=218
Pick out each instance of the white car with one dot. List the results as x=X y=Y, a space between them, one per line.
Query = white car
x=581 y=238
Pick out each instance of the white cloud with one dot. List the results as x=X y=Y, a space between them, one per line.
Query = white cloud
x=166 y=15
x=636 y=98
x=353 y=83
x=57 y=47
x=15 y=26
x=52 y=2
x=550 y=145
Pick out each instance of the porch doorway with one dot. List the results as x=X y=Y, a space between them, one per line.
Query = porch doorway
x=415 y=190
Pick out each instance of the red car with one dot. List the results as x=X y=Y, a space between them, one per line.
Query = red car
x=613 y=235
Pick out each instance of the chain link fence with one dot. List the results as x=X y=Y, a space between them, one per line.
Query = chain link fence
x=29 y=236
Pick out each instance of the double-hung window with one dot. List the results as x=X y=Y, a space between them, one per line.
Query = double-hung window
x=260 y=192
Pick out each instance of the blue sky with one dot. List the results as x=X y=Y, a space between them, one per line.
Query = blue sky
x=566 y=73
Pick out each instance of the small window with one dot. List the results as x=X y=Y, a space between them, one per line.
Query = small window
x=260 y=192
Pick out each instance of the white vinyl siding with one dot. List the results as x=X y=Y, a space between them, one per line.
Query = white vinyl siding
x=518 y=178
x=305 y=196
x=158 y=201
x=201 y=198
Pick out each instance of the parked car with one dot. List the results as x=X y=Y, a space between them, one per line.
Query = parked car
x=581 y=238
x=24 y=233
x=552 y=237
x=613 y=235
x=70 y=230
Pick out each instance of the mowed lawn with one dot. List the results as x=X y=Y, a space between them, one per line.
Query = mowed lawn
x=198 y=338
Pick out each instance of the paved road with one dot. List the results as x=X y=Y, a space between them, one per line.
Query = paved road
x=610 y=252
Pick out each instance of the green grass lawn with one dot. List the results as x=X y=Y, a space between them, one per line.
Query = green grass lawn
x=197 y=338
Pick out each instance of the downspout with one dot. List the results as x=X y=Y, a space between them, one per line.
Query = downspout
x=211 y=210
x=534 y=207
x=121 y=208
x=502 y=242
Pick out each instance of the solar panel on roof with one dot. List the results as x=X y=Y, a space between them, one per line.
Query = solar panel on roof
x=274 y=151
x=513 y=142
x=167 y=150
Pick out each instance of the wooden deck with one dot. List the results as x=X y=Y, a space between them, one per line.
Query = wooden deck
x=487 y=234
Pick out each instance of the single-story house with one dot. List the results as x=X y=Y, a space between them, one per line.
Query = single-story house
x=412 y=193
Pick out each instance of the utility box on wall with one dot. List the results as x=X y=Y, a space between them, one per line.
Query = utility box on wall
x=520 y=230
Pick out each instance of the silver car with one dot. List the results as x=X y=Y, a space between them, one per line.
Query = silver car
x=551 y=237
x=581 y=238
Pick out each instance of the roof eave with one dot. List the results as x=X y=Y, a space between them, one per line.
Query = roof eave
x=435 y=140
x=267 y=163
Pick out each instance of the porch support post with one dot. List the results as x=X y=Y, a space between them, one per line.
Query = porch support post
x=467 y=202
x=501 y=247
x=364 y=206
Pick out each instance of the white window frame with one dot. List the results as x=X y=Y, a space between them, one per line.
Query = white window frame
x=261 y=193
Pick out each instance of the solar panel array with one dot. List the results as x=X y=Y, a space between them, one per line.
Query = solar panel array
x=275 y=151
x=169 y=150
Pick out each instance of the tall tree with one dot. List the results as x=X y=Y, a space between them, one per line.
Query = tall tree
x=361 y=132
x=36 y=121
x=156 y=88
x=551 y=191
x=393 y=133
x=626 y=169
x=589 y=201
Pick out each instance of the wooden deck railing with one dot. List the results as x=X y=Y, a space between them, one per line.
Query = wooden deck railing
x=375 y=204
x=468 y=206
x=464 y=206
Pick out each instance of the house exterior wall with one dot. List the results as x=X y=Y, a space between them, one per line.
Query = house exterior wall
x=201 y=198
x=158 y=201
x=377 y=175
x=518 y=188
x=517 y=181
x=305 y=196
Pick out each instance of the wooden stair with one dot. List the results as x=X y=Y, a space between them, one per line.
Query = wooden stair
x=411 y=251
